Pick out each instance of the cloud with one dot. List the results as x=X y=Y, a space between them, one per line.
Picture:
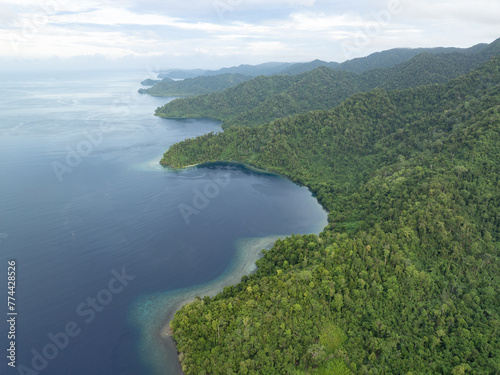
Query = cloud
x=112 y=16
x=265 y=47
x=250 y=31
x=462 y=11
x=322 y=22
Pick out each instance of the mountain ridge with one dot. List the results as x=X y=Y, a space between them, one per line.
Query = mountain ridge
x=252 y=103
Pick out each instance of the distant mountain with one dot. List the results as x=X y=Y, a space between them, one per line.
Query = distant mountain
x=393 y=57
x=195 y=86
x=264 y=99
x=384 y=59
x=180 y=74
x=152 y=82
x=306 y=67
x=265 y=69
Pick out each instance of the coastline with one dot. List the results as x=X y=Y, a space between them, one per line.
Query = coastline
x=250 y=167
x=240 y=164
x=153 y=314
x=254 y=247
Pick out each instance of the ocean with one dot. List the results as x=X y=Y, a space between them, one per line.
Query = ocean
x=105 y=239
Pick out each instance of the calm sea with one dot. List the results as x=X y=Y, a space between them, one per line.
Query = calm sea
x=97 y=227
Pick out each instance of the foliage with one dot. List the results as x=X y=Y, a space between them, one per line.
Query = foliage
x=264 y=99
x=151 y=82
x=194 y=86
x=405 y=278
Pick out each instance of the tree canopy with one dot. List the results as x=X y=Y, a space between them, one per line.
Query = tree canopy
x=405 y=279
x=193 y=86
x=264 y=99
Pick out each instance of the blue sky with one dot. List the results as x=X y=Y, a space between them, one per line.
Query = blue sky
x=40 y=34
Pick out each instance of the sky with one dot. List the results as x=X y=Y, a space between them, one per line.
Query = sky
x=210 y=34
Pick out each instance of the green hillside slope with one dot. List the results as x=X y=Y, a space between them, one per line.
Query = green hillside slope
x=195 y=86
x=266 y=98
x=405 y=279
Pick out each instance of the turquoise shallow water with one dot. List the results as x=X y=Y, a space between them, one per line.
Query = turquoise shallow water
x=83 y=198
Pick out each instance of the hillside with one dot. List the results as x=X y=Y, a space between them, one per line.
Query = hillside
x=377 y=60
x=265 y=69
x=180 y=73
x=308 y=66
x=395 y=56
x=269 y=68
x=405 y=279
x=384 y=59
x=195 y=86
x=253 y=103
x=152 y=82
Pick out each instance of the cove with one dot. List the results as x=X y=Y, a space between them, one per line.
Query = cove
x=152 y=314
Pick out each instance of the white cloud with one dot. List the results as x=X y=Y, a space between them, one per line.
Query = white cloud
x=113 y=16
x=265 y=47
x=322 y=22
x=463 y=11
x=293 y=30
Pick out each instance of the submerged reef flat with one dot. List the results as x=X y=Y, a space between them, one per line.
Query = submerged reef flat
x=152 y=314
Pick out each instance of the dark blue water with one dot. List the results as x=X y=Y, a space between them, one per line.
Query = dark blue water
x=99 y=230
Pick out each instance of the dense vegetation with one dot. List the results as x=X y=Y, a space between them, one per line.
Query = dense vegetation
x=266 y=69
x=396 y=56
x=151 y=82
x=264 y=99
x=405 y=279
x=384 y=59
x=195 y=86
x=180 y=74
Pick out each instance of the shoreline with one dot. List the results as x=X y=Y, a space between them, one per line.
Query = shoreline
x=246 y=267
x=153 y=314
x=252 y=168
x=245 y=165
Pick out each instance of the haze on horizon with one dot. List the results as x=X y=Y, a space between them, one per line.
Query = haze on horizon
x=134 y=34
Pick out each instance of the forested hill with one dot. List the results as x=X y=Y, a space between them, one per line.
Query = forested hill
x=266 y=69
x=195 y=86
x=384 y=59
x=264 y=99
x=405 y=279
x=393 y=57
